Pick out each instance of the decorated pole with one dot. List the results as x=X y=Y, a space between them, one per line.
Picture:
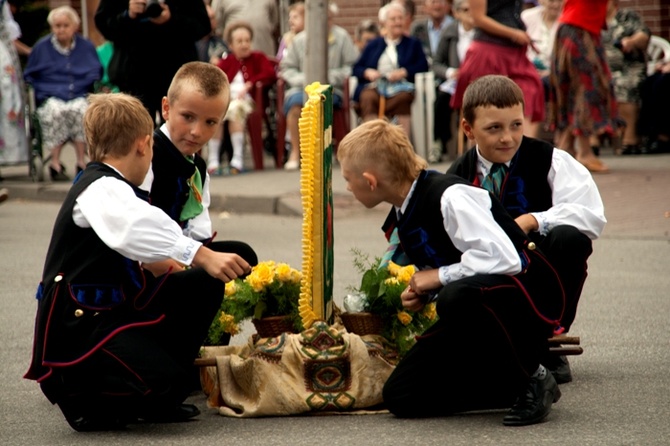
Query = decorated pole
x=316 y=188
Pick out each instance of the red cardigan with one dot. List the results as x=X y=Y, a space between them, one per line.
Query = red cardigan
x=255 y=68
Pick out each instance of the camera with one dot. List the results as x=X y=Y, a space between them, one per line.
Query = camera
x=153 y=9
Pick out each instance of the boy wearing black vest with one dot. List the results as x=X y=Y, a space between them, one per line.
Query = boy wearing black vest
x=551 y=196
x=178 y=182
x=112 y=344
x=496 y=296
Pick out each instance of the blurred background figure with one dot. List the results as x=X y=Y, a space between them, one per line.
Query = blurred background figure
x=212 y=46
x=386 y=70
x=454 y=43
x=625 y=41
x=63 y=68
x=365 y=31
x=296 y=23
x=148 y=51
x=410 y=12
x=499 y=47
x=263 y=15
x=582 y=98
x=428 y=30
x=342 y=53
x=654 y=122
x=13 y=140
x=541 y=24
x=244 y=68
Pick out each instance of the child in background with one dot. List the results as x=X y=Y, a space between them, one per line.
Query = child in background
x=552 y=197
x=244 y=68
x=296 y=23
x=497 y=298
x=112 y=344
x=178 y=181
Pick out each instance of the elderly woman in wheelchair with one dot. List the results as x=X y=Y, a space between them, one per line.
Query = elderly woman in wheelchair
x=62 y=69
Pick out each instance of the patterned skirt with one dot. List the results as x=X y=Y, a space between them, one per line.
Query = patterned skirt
x=582 y=94
x=485 y=58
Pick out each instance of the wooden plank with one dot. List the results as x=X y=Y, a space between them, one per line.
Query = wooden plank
x=564 y=339
x=567 y=351
x=205 y=362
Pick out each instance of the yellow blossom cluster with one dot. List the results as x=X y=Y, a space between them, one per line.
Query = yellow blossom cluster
x=402 y=274
x=264 y=274
x=228 y=324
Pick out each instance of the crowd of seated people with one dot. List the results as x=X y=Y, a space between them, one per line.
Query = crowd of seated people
x=384 y=56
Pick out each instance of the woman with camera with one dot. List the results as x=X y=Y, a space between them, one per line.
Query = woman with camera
x=152 y=39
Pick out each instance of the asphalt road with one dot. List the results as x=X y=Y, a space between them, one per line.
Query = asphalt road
x=622 y=381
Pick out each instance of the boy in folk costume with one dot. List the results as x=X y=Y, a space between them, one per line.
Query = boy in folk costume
x=113 y=344
x=178 y=182
x=497 y=297
x=552 y=197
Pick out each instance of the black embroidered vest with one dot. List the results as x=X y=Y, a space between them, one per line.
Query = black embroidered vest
x=170 y=189
x=525 y=188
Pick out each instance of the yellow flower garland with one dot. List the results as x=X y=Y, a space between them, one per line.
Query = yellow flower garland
x=309 y=145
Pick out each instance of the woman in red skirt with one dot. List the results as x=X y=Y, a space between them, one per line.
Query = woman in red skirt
x=582 y=100
x=499 y=47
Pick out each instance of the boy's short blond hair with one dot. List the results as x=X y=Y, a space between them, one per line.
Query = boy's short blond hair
x=112 y=124
x=208 y=79
x=492 y=90
x=381 y=147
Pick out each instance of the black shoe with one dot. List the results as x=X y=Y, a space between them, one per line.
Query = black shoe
x=655 y=147
x=595 y=150
x=535 y=403
x=630 y=149
x=175 y=414
x=93 y=422
x=560 y=368
x=58 y=175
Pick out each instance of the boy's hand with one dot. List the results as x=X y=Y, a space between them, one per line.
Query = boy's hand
x=163 y=267
x=222 y=265
x=527 y=223
x=412 y=301
x=423 y=282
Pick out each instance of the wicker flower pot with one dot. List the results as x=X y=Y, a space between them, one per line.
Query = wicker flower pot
x=362 y=323
x=272 y=326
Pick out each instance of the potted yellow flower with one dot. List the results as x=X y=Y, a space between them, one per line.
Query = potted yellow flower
x=379 y=294
x=268 y=296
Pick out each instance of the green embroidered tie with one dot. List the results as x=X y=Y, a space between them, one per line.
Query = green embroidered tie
x=193 y=205
x=493 y=181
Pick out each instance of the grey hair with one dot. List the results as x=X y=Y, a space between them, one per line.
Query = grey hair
x=333 y=9
x=67 y=11
x=384 y=10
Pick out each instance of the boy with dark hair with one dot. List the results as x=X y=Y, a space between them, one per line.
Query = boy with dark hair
x=552 y=197
x=193 y=109
x=497 y=298
x=113 y=344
